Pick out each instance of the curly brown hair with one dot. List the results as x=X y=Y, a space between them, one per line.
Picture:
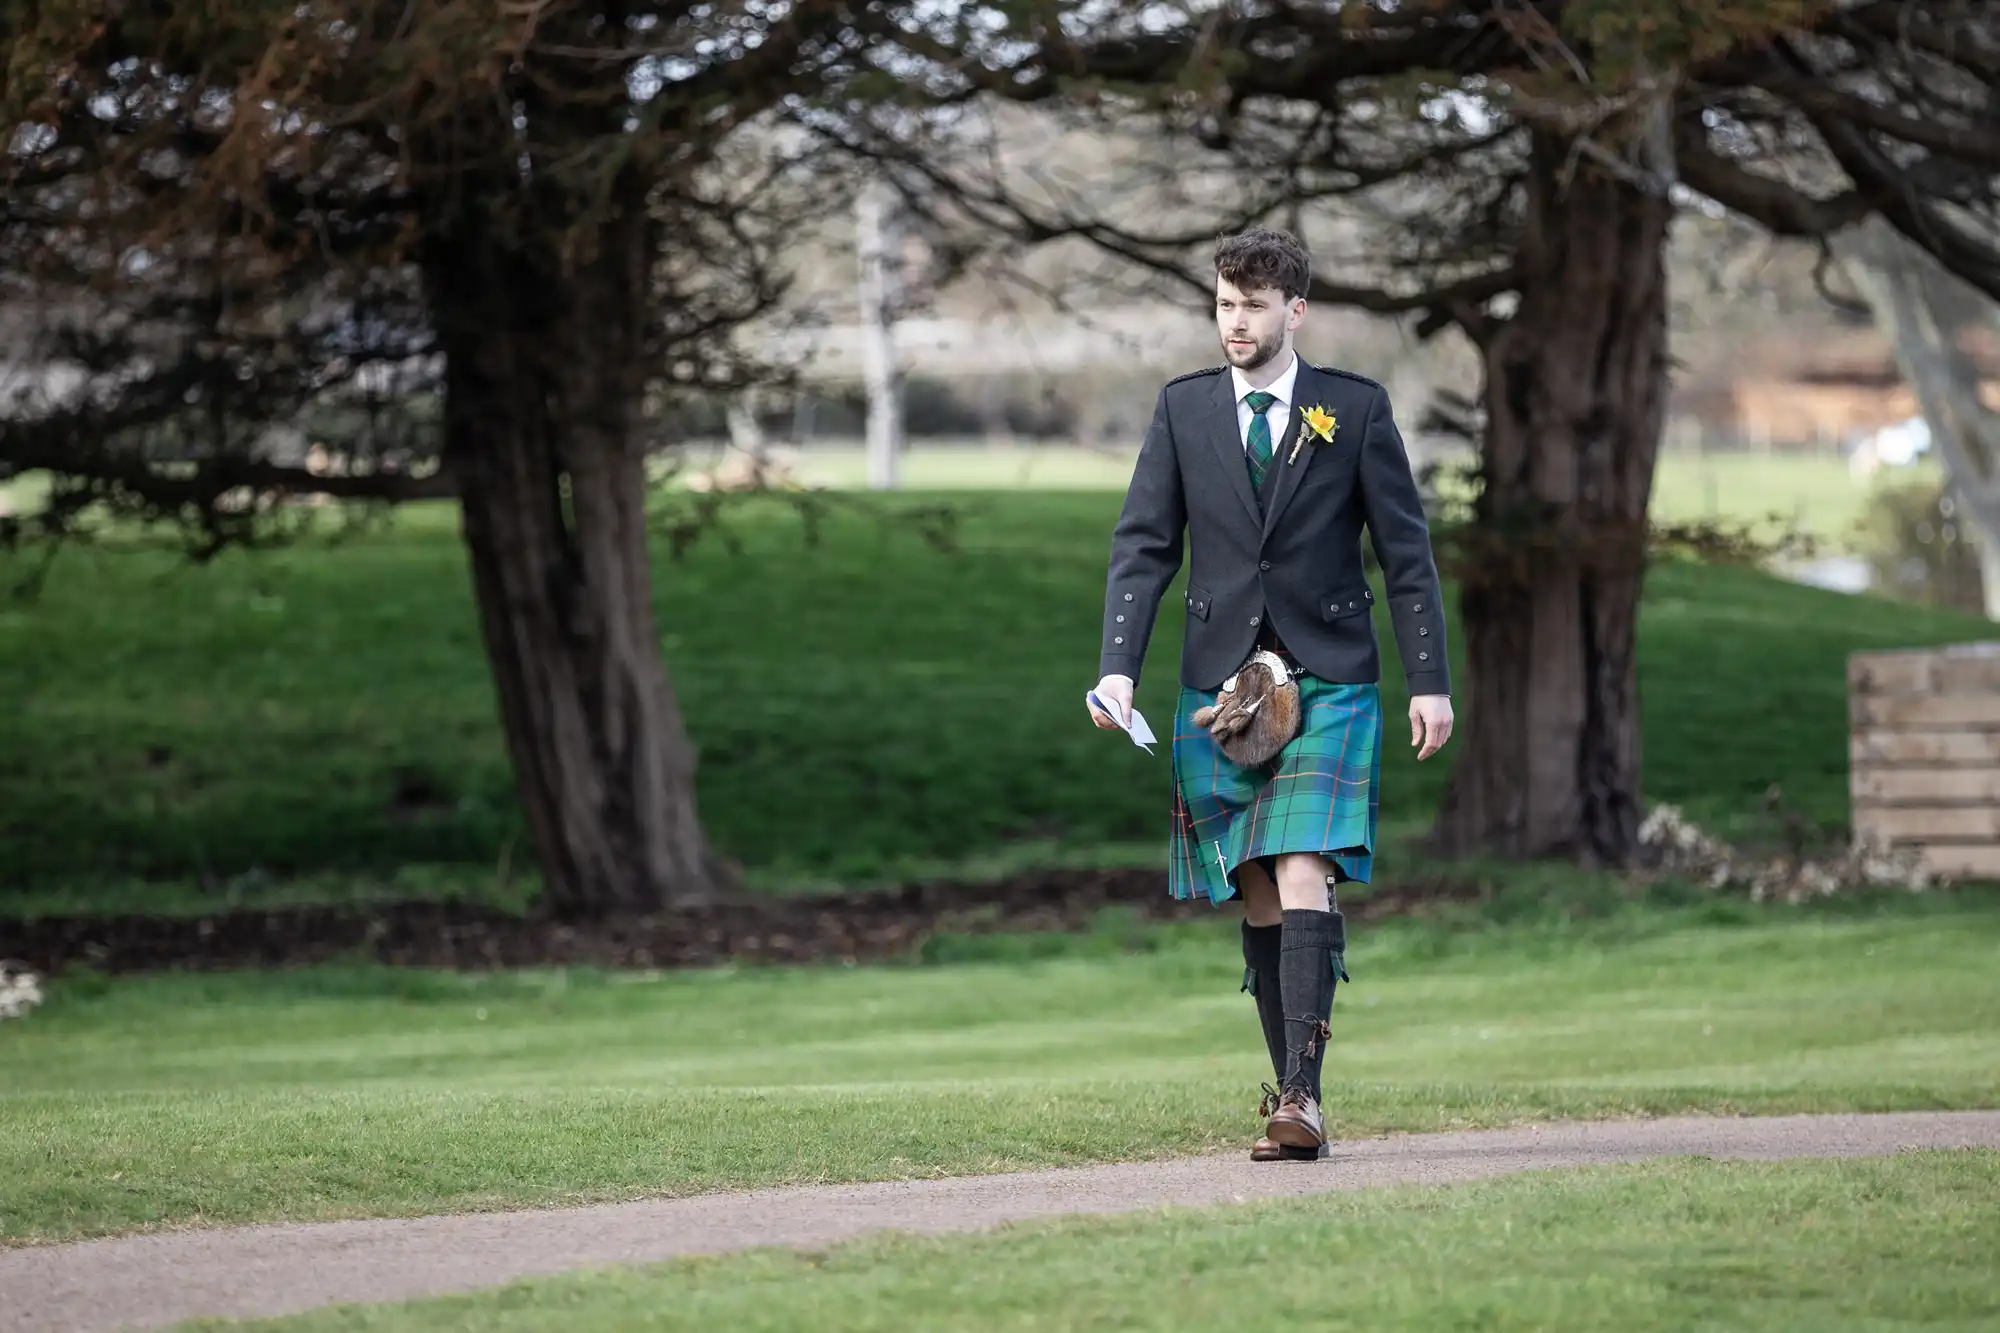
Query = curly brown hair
x=1264 y=257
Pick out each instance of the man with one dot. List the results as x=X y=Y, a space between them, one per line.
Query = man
x=1271 y=467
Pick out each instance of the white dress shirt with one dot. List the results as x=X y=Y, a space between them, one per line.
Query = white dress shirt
x=1281 y=389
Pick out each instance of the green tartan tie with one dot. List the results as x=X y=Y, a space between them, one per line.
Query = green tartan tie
x=1259 y=453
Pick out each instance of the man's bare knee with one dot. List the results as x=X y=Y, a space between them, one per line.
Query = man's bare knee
x=1302 y=878
x=1263 y=905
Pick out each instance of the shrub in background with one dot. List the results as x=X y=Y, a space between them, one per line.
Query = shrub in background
x=1917 y=546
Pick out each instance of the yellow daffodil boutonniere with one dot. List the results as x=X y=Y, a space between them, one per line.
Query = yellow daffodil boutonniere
x=1318 y=422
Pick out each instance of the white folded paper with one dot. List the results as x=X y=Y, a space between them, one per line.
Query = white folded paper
x=1134 y=726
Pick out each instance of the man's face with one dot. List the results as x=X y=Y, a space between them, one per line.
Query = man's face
x=1254 y=325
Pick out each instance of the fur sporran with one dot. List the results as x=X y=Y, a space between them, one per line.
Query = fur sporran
x=1256 y=714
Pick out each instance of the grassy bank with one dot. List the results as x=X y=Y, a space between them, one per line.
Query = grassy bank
x=318 y=722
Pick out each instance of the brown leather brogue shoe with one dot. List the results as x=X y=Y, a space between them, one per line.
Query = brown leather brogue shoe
x=1296 y=1123
x=1267 y=1149
x=1264 y=1150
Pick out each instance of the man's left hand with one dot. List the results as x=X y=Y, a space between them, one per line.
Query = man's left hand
x=1430 y=723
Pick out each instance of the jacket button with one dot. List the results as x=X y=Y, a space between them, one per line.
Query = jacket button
x=1420 y=606
x=1121 y=620
x=1263 y=564
x=1119 y=639
x=1352 y=605
x=1128 y=597
x=1255 y=619
x=1423 y=657
x=1422 y=633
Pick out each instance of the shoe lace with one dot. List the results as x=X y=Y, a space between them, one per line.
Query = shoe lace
x=1269 y=1103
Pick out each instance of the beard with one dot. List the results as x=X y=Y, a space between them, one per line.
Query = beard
x=1259 y=353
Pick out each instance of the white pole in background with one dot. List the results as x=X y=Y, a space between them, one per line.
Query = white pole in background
x=880 y=373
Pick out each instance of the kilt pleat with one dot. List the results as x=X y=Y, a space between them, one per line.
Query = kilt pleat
x=1320 y=794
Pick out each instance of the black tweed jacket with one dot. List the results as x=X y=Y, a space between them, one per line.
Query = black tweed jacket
x=1287 y=560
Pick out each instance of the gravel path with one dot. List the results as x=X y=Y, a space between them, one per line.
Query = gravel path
x=155 y=1280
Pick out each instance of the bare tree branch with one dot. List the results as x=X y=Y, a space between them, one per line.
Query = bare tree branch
x=1967 y=45
x=1967 y=144
x=1897 y=199
x=1766 y=200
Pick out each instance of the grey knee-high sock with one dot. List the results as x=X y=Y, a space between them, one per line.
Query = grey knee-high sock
x=1312 y=941
x=1260 y=978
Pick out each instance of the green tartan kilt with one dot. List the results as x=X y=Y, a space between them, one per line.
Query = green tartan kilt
x=1318 y=795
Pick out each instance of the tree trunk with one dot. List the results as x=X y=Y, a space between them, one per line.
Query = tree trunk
x=1575 y=393
x=546 y=361
x=1988 y=545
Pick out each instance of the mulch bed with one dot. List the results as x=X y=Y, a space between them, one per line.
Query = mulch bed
x=856 y=927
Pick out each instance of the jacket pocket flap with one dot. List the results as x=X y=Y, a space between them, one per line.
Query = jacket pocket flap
x=1347 y=604
x=1197 y=603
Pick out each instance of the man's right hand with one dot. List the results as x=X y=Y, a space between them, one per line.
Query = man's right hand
x=1116 y=691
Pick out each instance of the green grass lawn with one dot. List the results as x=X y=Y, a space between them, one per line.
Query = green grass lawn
x=868 y=710
x=1816 y=493
x=169 y=1100
x=1809 y=1246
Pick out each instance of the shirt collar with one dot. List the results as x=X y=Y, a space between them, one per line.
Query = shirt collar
x=1281 y=388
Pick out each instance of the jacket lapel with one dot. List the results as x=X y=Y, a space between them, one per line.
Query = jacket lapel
x=1279 y=488
x=1223 y=433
